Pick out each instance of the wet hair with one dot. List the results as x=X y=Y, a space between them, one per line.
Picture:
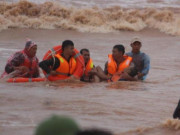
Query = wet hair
x=94 y=132
x=120 y=48
x=66 y=44
x=84 y=49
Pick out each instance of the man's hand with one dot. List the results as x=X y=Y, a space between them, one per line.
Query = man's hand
x=22 y=69
x=140 y=75
x=53 y=73
x=127 y=77
x=93 y=72
x=72 y=78
x=124 y=75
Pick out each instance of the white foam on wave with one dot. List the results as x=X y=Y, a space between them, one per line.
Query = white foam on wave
x=108 y=3
x=52 y=15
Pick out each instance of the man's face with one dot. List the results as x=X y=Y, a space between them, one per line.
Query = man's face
x=86 y=56
x=116 y=54
x=136 y=46
x=69 y=50
x=32 y=51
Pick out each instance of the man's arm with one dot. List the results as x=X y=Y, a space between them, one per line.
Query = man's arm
x=127 y=77
x=36 y=70
x=130 y=73
x=17 y=60
x=146 y=65
x=106 y=68
x=46 y=64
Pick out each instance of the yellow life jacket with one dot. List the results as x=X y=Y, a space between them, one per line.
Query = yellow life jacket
x=89 y=66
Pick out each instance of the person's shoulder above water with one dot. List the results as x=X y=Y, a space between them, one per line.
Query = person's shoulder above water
x=144 y=56
x=129 y=54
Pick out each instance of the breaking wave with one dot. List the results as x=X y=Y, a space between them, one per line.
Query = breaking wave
x=52 y=15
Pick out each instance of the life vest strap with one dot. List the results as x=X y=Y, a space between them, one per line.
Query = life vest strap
x=77 y=55
x=53 y=51
x=60 y=73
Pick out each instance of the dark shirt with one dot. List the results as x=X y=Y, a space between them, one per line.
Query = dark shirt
x=51 y=64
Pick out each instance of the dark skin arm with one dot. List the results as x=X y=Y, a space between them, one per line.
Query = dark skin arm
x=100 y=73
x=127 y=77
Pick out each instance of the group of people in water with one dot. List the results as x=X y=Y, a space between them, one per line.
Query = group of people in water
x=131 y=66
x=63 y=64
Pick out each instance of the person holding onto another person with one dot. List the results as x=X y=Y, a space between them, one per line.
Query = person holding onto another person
x=118 y=67
x=23 y=63
x=140 y=59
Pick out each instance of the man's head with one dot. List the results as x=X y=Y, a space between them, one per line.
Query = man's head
x=68 y=47
x=136 y=45
x=30 y=48
x=57 y=125
x=85 y=53
x=118 y=51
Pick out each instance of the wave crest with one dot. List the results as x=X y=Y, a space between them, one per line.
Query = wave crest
x=52 y=15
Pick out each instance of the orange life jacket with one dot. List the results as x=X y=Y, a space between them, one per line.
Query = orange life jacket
x=66 y=68
x=79 y=62
x=89 y=66
x=32 y=64
x=112 y=65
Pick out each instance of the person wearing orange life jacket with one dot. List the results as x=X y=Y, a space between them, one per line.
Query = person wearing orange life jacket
x=87 y=77
x=116 y=66
x=62 y=65
x=23 y=63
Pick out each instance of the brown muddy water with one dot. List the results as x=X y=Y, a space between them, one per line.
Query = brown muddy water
x=125 y=108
